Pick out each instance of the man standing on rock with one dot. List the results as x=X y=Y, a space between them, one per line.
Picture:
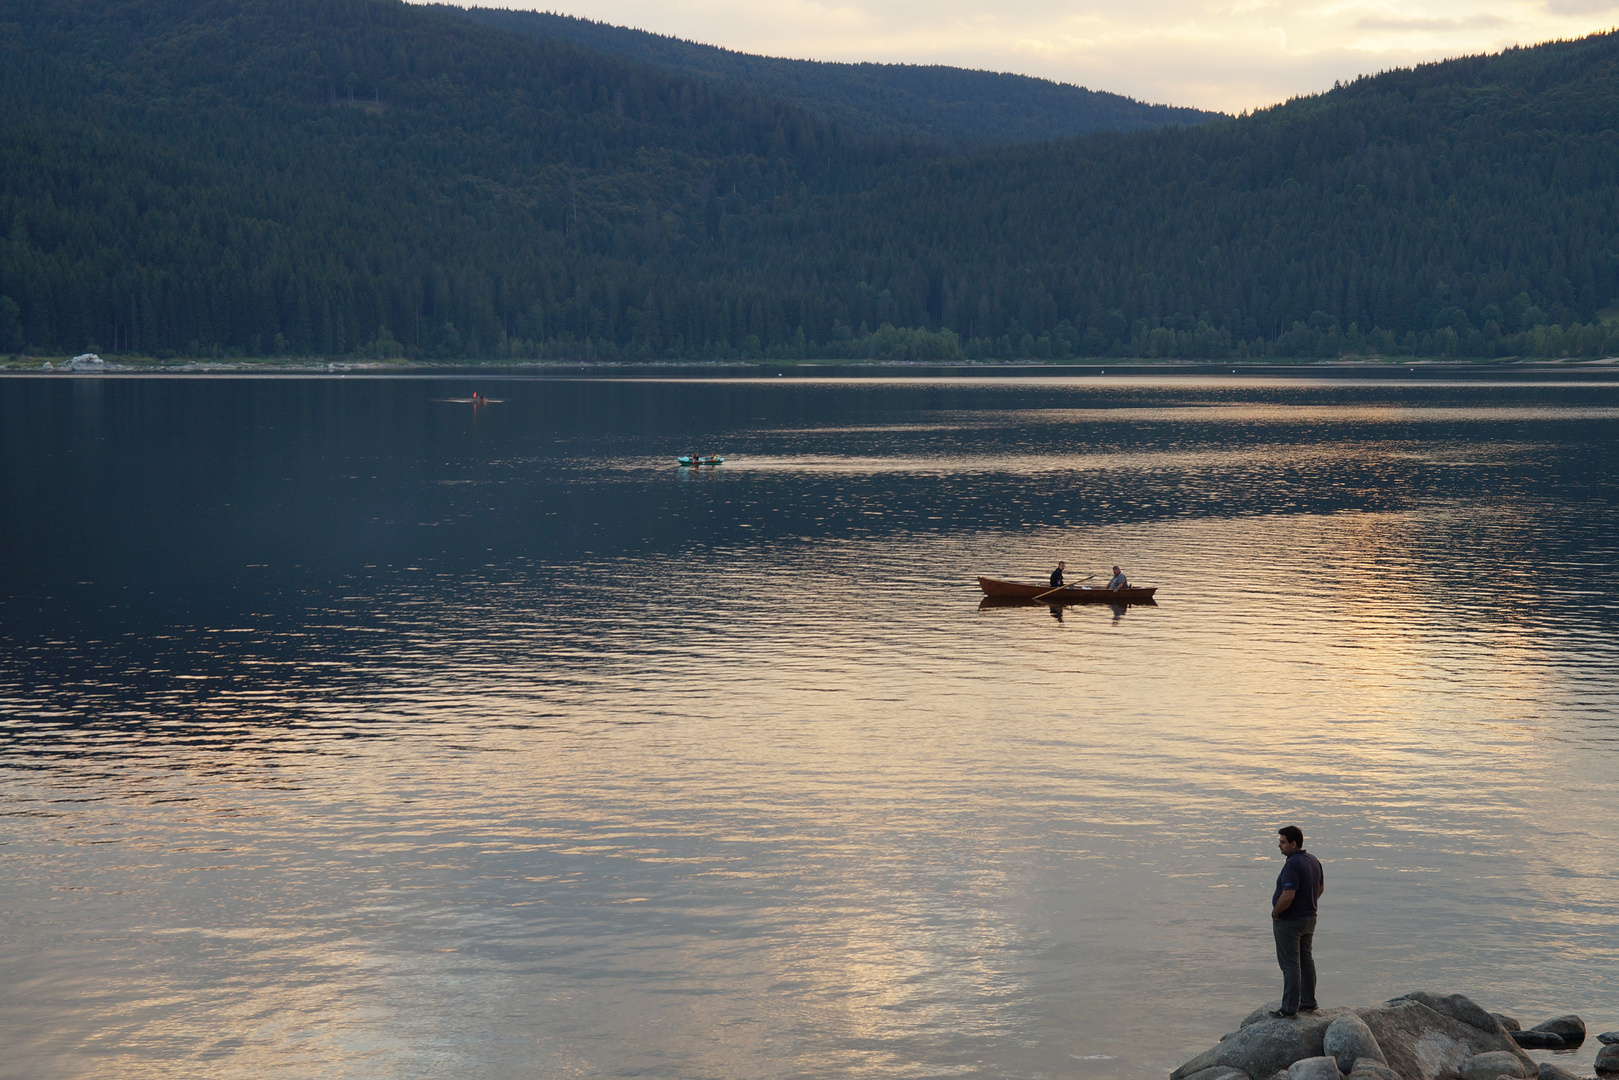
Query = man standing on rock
x=1292 y=914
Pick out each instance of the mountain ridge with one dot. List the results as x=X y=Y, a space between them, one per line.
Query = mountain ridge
x=957 y=107
x=364 y=178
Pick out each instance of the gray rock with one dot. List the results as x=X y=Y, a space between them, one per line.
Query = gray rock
x=1263 y=1047
x=1422 y=1044
x=1351 y=1042
x=1493 y=1064
x=1418 y=1037
x=1220 y=1072
x=1608 y=1058
x=1314 y=1068
x=1548 y=1071
x=1537 y=1040
x=1609 y=1038
x=1457 y=1007
x=1364 y=1070
x=1570 y=1027
x=1261 y=1013
x=1507 y=1022
x=1265 y=1010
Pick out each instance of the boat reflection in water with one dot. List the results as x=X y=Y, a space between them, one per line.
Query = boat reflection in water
x=995 y=603
x=990 y=603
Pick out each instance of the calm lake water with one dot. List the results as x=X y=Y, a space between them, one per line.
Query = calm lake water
x=348 y=731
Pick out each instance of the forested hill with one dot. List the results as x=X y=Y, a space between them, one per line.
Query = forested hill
x=367 y=178
x=319 y=176
x=954 y=106
x=1464 y=208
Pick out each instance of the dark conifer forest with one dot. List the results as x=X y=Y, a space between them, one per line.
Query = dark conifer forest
x=950 y=106
x=364 y=178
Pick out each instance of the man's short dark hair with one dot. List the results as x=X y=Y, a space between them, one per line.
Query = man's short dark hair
x=1291 y=834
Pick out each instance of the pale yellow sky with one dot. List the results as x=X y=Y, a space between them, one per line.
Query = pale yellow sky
x=1216 y=54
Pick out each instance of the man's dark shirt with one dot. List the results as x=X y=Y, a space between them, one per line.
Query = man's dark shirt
x=1056 y=578
x=1303 y=874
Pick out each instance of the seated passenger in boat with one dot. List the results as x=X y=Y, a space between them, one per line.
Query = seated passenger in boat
x=1118 y=581
x=1056 y=576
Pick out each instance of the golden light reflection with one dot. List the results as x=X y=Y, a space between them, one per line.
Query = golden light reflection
x=796 y=808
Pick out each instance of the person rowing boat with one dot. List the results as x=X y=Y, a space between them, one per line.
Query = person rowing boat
x=1056 y=575
x=1069 y=592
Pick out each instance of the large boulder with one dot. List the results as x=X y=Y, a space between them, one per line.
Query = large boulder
x=1421 y=1043
x=1608 y=1059
x=1220 y=1072
x=1608 y=1038
x=1457 y=1007
x=1264 y=1013
x=1365 y=1070
x=1260 y=1015
x=1493 y=1064
x=1351 y=1042
x=1507 y=1022
x=1420 y=1036
x=1548 y=1071
x=1537 y=1040
x=1264 y=1047
x=1570 y=1028
x=1314 y=1068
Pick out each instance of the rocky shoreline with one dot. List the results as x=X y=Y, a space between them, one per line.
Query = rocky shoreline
x=1420 y=1036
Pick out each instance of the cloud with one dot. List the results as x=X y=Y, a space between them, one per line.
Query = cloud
x=1372 y=22
x=1245 y=7
x=1580 y=7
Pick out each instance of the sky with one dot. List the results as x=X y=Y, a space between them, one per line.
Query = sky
x=1229 y=55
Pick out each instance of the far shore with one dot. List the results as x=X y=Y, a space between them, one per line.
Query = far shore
x=1356 y=367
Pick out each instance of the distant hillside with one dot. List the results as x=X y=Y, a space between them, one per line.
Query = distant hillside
x=369 y=178
x=1463 y=208
x=326 y=176
x=949 y=105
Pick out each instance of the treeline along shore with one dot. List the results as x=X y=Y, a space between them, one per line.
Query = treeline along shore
x=368 y=179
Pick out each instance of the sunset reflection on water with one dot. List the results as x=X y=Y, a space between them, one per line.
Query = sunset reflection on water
x=514 y=751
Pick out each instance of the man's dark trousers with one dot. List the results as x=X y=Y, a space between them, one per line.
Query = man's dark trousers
x=1295 y=939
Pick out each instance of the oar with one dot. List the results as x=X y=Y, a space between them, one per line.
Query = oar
x=1064 y=585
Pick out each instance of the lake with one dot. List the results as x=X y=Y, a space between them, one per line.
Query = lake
x=350 y=730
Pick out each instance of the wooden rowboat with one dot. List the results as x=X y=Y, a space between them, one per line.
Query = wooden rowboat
x=1068 y=594
x=997 y=603
x=712 y=459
